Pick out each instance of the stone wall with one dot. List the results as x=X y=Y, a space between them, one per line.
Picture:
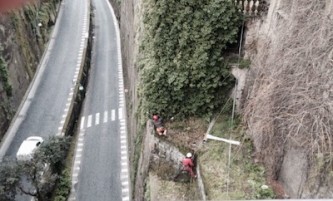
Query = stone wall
x=156 y=155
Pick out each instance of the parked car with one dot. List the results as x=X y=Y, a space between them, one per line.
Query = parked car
x=28 y=148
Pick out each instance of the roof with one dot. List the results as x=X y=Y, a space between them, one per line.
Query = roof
x=28 y=147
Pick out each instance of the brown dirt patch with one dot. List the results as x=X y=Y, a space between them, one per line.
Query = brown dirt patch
x=187 y=134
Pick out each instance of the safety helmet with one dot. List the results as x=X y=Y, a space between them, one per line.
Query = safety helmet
x=189 y=155
x=155 y=117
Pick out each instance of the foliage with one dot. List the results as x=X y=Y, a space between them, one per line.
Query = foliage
x=247 y=180
x=4 y=77
x=54 y=153
x=63 y=186
x=35 y=177
x=182 y=67
x=9 y=180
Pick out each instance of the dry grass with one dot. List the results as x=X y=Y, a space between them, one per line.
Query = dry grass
x=291 y=102
x=164 y=190
x=187 y=134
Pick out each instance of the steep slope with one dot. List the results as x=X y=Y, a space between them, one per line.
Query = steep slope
x=23 y=35
x=289 y=105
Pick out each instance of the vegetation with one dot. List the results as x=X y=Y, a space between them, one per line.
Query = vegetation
x=247 y=180
x=36 y=177
x=182 y=67
x=63 y=187
x=290 y=102
x=4 y=77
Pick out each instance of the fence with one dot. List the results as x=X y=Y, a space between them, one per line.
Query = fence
x=249 y=7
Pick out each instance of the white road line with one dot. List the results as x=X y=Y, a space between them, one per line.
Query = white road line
x=120 y=113
x=89 y=121
x=97 y=119
x=113 y=115
x=125 y=190
x=82 y=123
x=105 y=116
x=125 y=198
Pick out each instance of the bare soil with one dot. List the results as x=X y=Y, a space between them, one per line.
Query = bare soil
x=187 y=135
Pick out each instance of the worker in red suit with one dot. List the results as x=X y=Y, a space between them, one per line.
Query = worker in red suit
x=159 y=125
x=188 y=164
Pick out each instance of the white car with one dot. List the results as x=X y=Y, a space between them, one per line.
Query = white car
x=28 y=148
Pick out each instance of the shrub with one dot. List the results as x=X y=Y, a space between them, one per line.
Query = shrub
x=63 y=186
x=4 y=77
x=181 y=65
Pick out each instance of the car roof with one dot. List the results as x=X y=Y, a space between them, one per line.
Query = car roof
x=28 y=146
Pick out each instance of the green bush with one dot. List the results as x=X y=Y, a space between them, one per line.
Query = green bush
x=181 y=65
x=4 y=77
x=63 y=187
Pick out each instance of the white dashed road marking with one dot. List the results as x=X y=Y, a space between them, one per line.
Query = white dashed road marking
x=120 y=111
x=113 y=115
x=82 y=123
x=89 y=121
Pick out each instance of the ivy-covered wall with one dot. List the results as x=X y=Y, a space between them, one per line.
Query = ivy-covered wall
x=182 y=62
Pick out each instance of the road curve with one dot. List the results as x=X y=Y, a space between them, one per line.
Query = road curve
x=46 y=105
x=100 y=170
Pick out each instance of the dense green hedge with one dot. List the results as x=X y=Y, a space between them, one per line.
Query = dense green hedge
x=181 y=66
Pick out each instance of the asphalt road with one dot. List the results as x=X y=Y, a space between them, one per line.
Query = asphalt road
x=101 y=159
x=51 y=94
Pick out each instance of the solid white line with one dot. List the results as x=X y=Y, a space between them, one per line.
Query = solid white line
x=113 y=115
x=89 y=121
x=97 y=119
x=120 y=111
x=105 y=116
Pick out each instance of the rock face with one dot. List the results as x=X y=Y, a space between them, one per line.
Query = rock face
x=272 y=106
x=22 y=45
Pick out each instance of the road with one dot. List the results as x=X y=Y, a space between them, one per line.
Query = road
x=100 y=169
x=46 y=105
